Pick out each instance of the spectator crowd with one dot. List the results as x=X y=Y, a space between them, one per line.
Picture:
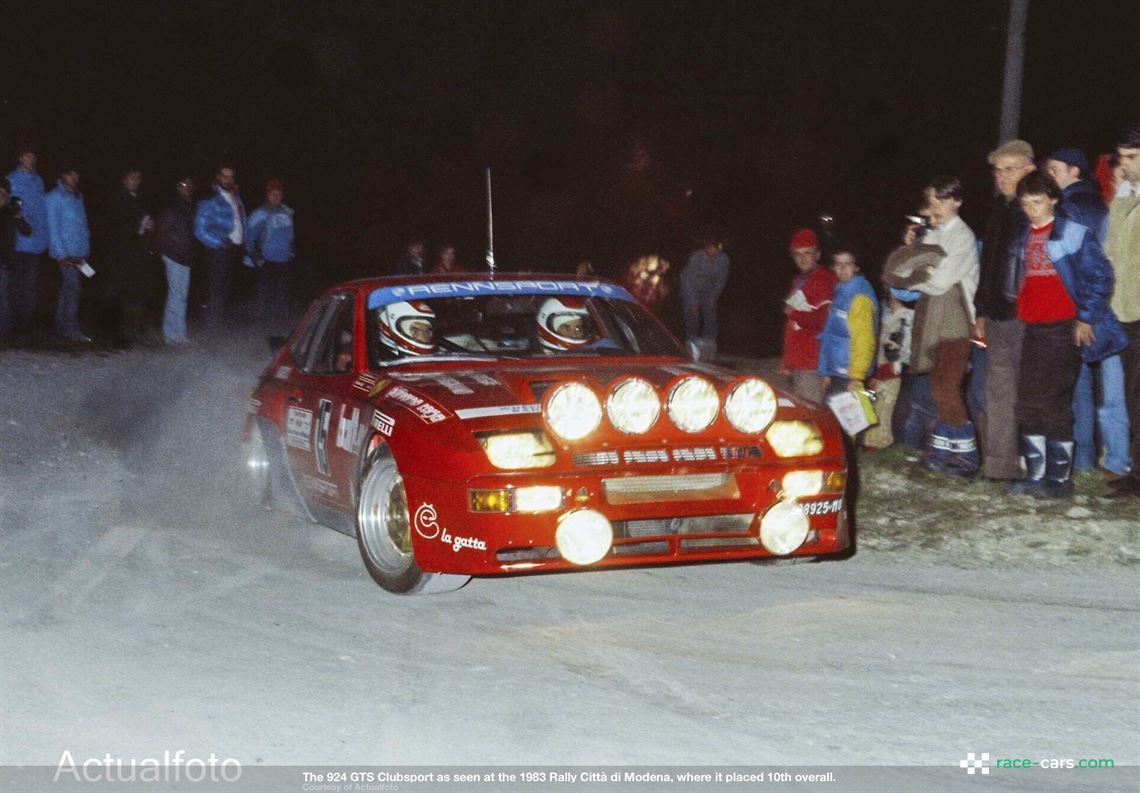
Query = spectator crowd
x=1015 y=354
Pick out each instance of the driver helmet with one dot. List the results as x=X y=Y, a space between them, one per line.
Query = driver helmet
x=564 y=324
x=408 y=327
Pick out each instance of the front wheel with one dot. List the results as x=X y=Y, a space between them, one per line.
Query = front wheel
x=383 y=533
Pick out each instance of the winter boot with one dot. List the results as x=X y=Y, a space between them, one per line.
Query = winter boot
x=963 y=459
x=936 y=452
x=1058 y=482
x=1033 y=450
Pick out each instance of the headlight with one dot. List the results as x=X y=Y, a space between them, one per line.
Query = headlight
x=634 y=406
x=573 y=411
x=794 y=438
x=583 y=536
x=784 y=527
x=693 y=404
x=802 y=483
x=750 y=406
x=518 y=449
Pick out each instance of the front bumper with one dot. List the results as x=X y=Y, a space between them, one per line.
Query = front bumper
x=717 y=518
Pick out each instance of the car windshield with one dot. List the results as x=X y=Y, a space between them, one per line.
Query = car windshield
x=513 y=326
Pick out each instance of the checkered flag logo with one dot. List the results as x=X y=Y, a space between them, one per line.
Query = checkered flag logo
x=972 y=763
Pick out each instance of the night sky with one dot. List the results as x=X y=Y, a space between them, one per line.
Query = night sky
x=380 y=117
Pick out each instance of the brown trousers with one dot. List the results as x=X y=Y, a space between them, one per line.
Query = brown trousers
x=950 y=359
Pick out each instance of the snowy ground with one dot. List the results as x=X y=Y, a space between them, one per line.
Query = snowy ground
x=145 y=608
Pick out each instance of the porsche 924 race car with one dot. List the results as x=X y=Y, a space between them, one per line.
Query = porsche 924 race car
x=473 y=425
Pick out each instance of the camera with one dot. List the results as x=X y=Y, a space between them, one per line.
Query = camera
x=923 y=224
x=892 y=350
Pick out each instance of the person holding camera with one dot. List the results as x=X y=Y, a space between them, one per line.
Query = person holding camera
x=12 y=225
x=28 y=194
x=943 y=319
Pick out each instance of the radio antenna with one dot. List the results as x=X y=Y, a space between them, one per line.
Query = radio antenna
x=490 y=229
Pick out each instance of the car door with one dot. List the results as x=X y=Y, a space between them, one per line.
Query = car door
x=316 y=394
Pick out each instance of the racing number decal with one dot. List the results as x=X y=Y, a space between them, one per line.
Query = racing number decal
x=324 y=415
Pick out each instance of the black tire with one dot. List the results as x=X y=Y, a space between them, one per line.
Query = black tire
x=383 y=533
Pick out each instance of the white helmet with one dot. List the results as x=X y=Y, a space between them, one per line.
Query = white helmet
x=408 y=328
x=564 y=324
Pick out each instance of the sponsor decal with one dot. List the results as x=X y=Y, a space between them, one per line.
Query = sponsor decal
x=395 y=294
x=784 y=402
x=283 y=372
x=298 y=428
x=822 y=507
x=427 y=526
x=383 y=423
x=483 y=379
x=700 y=454
x=451 y=384
x=364 y=382
x=381 y=384
x=349 y=430
x=321 y=486
x=425 y=410
x=498 y=410
x=254 y=405
x=320 y=447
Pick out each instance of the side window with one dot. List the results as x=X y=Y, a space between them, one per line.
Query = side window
x=332 y=353
x=304 y=342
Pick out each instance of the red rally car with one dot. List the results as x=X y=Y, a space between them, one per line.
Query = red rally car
x=468 y=425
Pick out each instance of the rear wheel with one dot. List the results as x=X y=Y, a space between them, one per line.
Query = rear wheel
x=383 y=533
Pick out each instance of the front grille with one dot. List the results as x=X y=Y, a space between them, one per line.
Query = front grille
x=670 y=487
x=596 y=458
x=669 y=527
x=711 y=543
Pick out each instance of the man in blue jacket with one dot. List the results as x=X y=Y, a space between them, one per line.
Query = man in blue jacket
x=219 y=224
x=270 y=245
x=1081 y=202
x=69 y=243
x=28 y=190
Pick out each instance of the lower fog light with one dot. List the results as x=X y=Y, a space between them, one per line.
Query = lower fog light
x=584 y=536
x=784 y=527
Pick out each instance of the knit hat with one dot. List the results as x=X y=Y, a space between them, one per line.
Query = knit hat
x=803 y=238
x=1011 y=148
x=274 y=184
x=1071 y=155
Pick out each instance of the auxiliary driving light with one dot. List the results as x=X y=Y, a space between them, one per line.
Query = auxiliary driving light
x=527 y=449
x=750 y=406
x=784 y=527
x=573 y=411
x=584 y=536
x=693 y=404
x=634 y=406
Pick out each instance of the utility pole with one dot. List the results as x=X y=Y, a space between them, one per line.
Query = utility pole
x=1014 y=70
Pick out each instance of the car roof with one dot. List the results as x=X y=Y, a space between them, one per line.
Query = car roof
x=366 y=285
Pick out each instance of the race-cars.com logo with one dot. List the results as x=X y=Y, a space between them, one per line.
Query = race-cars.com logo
x=975 y=765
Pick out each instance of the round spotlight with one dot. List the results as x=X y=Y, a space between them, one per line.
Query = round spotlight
x=783 y=528
x=633 y=407
x=751 y=405
x=693 y=404
x=583 y=536
x=573 y=411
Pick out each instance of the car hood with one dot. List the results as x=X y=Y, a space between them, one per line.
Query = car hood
x=505 y=386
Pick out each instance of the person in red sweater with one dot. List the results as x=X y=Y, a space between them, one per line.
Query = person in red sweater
x=806 y=308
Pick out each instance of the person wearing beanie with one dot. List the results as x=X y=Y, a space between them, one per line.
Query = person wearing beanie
x=270 y=245
x=702 y=281
x=805 y=311
x=1081 y=203
x=995 y=305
